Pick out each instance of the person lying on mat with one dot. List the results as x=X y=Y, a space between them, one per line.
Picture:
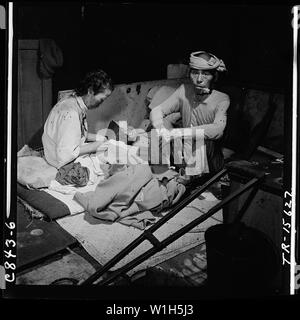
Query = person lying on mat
x=203 y=109
x=65 y=130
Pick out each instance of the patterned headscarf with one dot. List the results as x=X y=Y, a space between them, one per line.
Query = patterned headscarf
x=202 y=64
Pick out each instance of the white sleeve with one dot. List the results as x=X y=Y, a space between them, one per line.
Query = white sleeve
x=68 y=137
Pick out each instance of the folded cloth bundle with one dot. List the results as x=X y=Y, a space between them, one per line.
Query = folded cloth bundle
x=74 y=174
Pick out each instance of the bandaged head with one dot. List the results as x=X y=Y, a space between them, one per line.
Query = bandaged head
x=197 y=62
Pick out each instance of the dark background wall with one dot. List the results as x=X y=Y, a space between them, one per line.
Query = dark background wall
x=136 y=42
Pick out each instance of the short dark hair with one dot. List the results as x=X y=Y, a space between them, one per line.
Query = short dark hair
x=97 y=80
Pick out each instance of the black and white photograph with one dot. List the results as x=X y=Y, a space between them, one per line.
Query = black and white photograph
x=150 y=152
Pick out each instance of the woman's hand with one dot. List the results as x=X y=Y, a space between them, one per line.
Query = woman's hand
x=92 y=137
x=132 y=135
x=101 y=146
x=90 y=147
x=100 y=138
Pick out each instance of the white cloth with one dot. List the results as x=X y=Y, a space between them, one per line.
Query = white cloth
x=64 y=131
x=34 y=172
x=93 y=163
x=64 y=189
x=66 y=194
x=118 y=152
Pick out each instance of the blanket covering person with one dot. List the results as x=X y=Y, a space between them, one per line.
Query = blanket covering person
x=130 y=197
